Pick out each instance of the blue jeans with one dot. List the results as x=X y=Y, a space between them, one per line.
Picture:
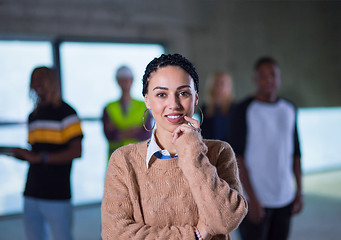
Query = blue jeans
x=44 y=218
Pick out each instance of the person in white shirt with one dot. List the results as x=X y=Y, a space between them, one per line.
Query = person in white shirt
x=265 y=140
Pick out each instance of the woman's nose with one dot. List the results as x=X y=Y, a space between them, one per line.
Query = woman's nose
x=173 y=102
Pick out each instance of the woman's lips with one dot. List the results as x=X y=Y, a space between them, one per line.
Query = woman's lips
x=174 y=118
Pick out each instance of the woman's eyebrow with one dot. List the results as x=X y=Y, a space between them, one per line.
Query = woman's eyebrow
x=178 y=88
x=183 y=86
x=162 y=88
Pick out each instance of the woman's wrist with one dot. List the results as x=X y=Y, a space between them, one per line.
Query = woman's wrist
x=202 y=232
x=197 y=234
x=190 y=144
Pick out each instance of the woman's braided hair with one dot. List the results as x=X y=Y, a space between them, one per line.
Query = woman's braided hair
x=169 y=60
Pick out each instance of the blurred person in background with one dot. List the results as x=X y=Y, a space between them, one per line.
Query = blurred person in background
x=217 y=110
x=265 y=140
x=55 y=135
x=122 y=119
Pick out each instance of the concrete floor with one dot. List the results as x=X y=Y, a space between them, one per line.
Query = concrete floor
x=321 y=218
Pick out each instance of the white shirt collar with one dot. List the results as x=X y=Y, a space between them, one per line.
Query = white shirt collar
x=153 y=147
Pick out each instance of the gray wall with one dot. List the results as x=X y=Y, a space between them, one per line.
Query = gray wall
x=214 y=34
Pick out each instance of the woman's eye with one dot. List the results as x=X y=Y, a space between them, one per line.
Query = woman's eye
x=161 y=95
x=185 y=94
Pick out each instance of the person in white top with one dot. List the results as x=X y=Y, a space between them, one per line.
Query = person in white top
x=265 y=140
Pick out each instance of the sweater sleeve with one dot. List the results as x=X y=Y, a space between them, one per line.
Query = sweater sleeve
x=121 y=211
x=214 y=183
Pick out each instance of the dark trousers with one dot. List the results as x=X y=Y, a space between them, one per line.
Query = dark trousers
x=275 y=225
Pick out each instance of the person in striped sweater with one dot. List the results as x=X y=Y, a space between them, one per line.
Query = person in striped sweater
x=55 y=135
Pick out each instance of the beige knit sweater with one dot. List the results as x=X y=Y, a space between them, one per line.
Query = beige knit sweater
x=166 y=200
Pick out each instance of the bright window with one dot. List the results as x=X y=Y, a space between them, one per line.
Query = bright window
x=320 y=134
x=88 y=72
x=17 y=60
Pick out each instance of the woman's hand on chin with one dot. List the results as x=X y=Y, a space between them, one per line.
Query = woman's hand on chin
x=185 y=128
x=188 y=143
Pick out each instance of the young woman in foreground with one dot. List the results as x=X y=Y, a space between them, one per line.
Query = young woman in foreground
x=175 y=185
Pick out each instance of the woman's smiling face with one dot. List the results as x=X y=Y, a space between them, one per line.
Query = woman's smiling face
x=171 y=96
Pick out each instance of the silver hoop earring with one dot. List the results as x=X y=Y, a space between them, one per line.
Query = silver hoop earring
x=144 y=125
x=202 y=115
